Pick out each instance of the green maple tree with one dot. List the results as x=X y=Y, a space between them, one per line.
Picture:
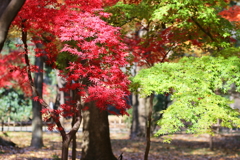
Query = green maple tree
x=198 y=86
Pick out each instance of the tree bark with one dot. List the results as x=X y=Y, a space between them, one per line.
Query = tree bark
x=37 y=140
x=37 y=133
x=135 y=121
x=65 y=147
x=60 y=97
x=140 y=114
x=8 y=11
x=96 y=139
x=3 y=6
x=2 y=123
x=211 y=142
x=148 y=127
x=74 y=141
x=66 y=138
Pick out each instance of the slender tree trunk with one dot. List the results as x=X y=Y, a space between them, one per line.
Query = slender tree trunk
x=148 y=127
x=135 y=120
x=96 y=139
x=37 y=140
x=60 y=97
x=2 y=123
x=140 y=117
x=139 y=114
x=74 y=142
x=8 y=11
x=211 y=142
x=66 y=138
x=65 y=147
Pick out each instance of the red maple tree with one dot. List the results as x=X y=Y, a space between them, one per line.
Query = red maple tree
x=76 y=29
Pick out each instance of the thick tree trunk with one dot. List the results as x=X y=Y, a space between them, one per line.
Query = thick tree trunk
x=8 y=11
x=96 y=139
x=3 y=6
x=37 y=132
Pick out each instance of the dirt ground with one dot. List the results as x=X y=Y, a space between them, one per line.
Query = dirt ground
x=182 y=147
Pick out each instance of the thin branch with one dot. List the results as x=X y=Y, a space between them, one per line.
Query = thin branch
x=166 y=54
x=33 y=88
x=78 y=119
x=199 y=26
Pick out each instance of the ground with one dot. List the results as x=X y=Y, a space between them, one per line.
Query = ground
x=182 y=147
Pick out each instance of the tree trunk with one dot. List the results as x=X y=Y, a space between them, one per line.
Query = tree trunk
x=211 y=142
x=37 y=132
x=148 y=127
x=65 y=147
x=8 y=11
x=60 y=97
x=3 y=6
x=71 y=135
x=74 y=142
x=96 y=139
x=135 y=121
x=140 y=114
x=2 y=123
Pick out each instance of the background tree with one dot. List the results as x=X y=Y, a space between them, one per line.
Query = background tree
x=170 y=29
x=196 y=85
x=37 y=138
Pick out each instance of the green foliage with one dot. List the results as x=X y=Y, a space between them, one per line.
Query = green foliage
x=198 y=87
x=161 y=102
x=194 y=21
x=14 y=105
x=227 y=52
x=128 y=119
x=196 y=15
x=64 y=58
x=125 y=13
x=55 y=157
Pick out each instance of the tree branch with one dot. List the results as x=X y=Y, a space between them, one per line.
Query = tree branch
x=3 y=6
x=206 y=32
x=33 y=88
x=78 y=117
x=9 y=10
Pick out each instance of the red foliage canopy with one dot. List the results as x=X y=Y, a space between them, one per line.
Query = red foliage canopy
x=12 y=76
x=76 y=28
x=232 y=14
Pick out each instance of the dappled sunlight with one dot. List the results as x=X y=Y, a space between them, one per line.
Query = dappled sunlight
x=182 y=147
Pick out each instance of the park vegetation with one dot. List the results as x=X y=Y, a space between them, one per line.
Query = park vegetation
x=187 y=50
